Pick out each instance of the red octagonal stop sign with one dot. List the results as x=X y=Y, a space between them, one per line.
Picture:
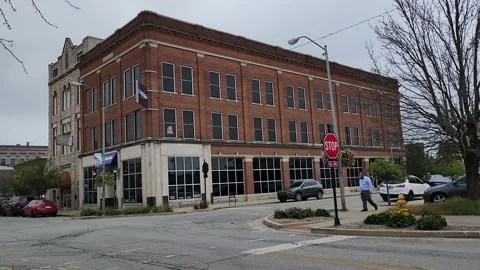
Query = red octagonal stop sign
x=331 y=146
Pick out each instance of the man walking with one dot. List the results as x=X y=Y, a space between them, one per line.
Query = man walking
x=366 y=191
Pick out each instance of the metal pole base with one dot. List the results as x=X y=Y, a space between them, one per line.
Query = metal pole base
x=336 y=222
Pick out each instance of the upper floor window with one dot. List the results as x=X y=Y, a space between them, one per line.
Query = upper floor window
x=269 y=93
x=215 y=85
x=170 y=123
x=290 y=97
x=54 y=104
x=319 y=96
x=292 y=129
x=256 y=96
x=233 y=127
x=188 y=124
x=231 y=87
x=136 y=77
x=258 y=129
x=304 y=131
x=217 y=126
x=302 y=100
x=67 y=99
x=345 y=103
x=55 y=73
x=329 y=102
x=353 y=105
x=168 y=77
x=94 y=99
x=367 y=107
x=127 y=83
x=187 y=80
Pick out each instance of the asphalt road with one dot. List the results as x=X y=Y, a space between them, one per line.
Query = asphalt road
x=221 y=239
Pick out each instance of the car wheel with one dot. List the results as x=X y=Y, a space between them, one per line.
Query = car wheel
x=23 y=213
x=54 y=214
x=282 y=200
x=438 y=197
x=298 y=197
x=32 y=214
x=319 y=195
x=4 y=214
x=384 y=198
x=410 y=196
x=12 y=211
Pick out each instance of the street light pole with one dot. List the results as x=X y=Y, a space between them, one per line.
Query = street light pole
x=293 y=41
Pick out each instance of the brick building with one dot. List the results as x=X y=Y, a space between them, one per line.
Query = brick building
x=256 y=113
x=64 y=119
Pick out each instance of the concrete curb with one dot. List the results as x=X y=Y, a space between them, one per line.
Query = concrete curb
x=279 y=226
x=133 y=215
x=398 y=233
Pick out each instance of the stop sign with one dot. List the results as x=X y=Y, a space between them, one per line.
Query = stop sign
x=331 y=147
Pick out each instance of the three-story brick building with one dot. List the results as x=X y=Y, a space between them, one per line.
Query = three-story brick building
x=256 y=113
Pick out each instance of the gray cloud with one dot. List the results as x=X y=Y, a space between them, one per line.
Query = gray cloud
x=24 y=102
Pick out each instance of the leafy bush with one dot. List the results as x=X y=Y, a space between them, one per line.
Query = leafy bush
x=137 y=210
x=400 y=218
x=161 y=209
x=431 y=222
x=203 y=205
x=452 y=207
x=377 y=219
x=88 y=212
x=280 y=214
x=322 y=213
x=300 y=213
x=99 y=213
x=113 y=212
x=196 y=206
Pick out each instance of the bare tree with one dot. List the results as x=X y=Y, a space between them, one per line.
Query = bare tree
x=6 y=43
x=433 y=51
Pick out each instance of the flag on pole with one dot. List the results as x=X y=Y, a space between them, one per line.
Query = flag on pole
x=142 y=96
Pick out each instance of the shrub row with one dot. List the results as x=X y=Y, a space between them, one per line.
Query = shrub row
x=403 y=218
x=451 y=207
x=300 y=213
x=201 y=205
x=126 y=211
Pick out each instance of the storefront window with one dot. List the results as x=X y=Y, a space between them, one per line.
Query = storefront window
x=227 y=176
x=132 y=181
x=184 y=178
x=89 y=187
x=267 y=175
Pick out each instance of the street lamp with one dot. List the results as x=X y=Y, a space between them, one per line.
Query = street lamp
x=294 y=41
x=103 y=141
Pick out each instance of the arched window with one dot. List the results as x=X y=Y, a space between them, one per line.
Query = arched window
x=54 y=103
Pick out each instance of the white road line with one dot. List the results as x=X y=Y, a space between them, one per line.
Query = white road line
x=256 y=240
x=169 y=256
x=258 y=231
x=245 y=208
x=126 y=251
x=247 y=213
x=293 y=234
x=265 y=250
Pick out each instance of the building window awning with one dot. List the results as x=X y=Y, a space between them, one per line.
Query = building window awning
x=111 y=160
x=65 y=180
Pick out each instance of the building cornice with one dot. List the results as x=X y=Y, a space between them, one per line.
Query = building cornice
x=151 y=21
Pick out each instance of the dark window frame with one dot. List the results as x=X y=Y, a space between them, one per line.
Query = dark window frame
x=163 y=66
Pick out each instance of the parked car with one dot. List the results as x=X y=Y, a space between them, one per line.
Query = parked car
x=441 y=193
x=410 y=187
x=437 y=180
x=15 y=205
x=301 y=190
x=40 y=207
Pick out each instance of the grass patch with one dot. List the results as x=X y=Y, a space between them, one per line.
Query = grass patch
x=450 y=207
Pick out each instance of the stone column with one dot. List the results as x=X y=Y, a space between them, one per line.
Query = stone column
x=248 y=176
x=285 y=171
x=316 y=168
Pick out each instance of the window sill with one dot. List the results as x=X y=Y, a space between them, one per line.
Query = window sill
x=305 y=110
x=188 y=95
x=269 y=105
x=232 y=100
x=214 y=98
x=169 y=92
x=260 y=104
x=129 y=97
x=291 y=108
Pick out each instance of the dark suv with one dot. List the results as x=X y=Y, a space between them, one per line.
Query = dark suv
x=301 y=190
x=15 y=205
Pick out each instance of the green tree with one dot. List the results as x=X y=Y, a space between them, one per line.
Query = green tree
x=415 y=155
x=104 y=180
x=385 y=169
x=433 y=49
x=35 y=177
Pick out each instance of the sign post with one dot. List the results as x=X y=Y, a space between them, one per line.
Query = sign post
x=331 y=147
x=205 y=176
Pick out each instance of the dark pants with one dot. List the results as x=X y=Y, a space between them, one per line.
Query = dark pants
x=366 y=196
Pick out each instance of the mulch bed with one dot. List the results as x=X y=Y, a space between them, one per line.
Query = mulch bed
x=361 y=226
x=291 y=220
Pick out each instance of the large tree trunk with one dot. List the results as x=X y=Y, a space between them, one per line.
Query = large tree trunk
x=471 y=162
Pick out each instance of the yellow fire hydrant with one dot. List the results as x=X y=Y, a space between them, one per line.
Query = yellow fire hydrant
x=401 y=202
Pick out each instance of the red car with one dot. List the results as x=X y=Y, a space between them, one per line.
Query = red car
x=40 y=207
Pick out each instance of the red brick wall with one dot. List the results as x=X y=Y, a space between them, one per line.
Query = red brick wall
x=150 y=57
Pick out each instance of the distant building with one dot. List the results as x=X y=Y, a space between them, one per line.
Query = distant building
x=14 y=154
x=6 y=175
x=64 y=118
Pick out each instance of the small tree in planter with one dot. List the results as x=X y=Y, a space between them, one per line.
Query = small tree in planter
x=346 y=158
x=103 y=181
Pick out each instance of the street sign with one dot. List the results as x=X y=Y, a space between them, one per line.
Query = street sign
x=333 y=164
x=331 y=146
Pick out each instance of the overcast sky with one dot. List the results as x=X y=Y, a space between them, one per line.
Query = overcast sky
x=24 y=97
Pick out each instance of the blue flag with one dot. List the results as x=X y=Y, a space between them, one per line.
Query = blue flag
x=142 y=96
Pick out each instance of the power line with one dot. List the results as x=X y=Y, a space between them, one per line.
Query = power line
x=346 y=28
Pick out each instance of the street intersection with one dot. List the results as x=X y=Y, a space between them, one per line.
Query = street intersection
x=231 y=238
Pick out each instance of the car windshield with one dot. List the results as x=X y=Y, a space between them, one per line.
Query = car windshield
x=296 y=184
